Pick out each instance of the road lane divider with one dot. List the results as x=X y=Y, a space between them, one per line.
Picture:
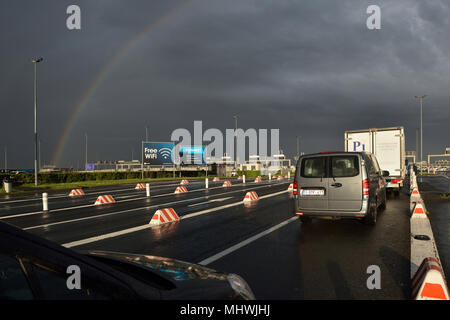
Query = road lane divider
x=427 y=277
x=162 y=216
x=246 y=242
x=181 y=189
x=140 y=186
x=227 y=184
x=429 y=282
x=121 y=201
x=251 y=196
x=147 y=226
x=58 y=196
x=104 y=199
x=141 y=208
x=76 y=193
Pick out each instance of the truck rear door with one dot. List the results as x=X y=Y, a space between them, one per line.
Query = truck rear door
x=358 y=141
x=387 y=149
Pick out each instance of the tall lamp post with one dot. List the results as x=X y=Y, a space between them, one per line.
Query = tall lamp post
x=35 y=62
x=421 y=132
x=86 y=152
x=235 y=140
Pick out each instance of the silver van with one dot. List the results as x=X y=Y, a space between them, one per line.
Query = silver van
x=339 y=185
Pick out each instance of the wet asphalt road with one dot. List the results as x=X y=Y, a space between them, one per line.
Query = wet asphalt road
x=324 y=260
x=431 y=189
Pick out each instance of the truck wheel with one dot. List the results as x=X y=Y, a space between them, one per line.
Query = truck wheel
x=305 y=219
x=371 y=217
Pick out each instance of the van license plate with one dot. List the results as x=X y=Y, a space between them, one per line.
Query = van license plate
x=312 y=192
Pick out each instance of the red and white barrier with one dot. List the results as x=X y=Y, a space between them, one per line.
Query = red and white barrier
x=239 y=178
x=291 y=187
x=76 y=193
x=140 y=186
x=415 y=193
x=280 y=178
x=419 y=211
x=251 y=196
x=429 y=282
x=181 y=189
x=162 y=216
x=104 y=199
x=184 y=181
x=258 y=179
x=226 y=184
x=216 y=179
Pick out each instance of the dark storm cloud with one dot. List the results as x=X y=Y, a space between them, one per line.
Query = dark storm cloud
x=310 y=68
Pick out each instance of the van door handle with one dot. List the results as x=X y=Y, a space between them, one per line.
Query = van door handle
x=337 y=185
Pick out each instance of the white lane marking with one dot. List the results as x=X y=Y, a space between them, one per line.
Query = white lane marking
x=213 y=200
x=245 y=242
x=130 y=210
x=229 y=205
x=91 y=205
x=146 y=226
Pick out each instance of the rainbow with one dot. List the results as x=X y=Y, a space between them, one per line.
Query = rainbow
x=98 y=80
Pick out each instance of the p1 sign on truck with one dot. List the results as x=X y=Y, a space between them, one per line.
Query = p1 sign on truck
x=388 y=145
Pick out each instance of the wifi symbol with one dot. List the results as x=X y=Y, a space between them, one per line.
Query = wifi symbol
x=165 y=153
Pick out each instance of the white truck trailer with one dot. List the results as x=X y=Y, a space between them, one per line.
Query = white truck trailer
x=388 y=145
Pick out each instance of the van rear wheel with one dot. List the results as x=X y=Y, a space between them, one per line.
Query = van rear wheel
x=371 y=217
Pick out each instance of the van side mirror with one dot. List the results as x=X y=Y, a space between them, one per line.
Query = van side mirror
x=385 y=173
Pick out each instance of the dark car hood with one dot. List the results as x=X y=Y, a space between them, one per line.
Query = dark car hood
x=195 y=281
x=174 y=269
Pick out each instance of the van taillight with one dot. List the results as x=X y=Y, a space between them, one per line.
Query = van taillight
x=295 y=187
x=365 y=187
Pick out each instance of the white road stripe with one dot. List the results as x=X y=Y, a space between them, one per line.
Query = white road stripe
x=146 y=226
x=245 y=242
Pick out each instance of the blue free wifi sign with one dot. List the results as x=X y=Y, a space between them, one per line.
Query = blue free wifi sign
x=158 y=153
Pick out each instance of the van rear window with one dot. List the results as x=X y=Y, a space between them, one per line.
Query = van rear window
x=344 y=166
x=314 y=167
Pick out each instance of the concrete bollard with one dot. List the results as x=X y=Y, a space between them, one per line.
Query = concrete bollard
x=206 y=183
x=45 y=201
x=147 y=189
x=243 y=178
x=289 y=174
x=270 y=176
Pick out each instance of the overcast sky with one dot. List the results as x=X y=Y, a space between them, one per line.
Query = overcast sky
x=309 y=68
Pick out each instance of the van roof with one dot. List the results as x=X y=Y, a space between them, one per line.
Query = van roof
x=327 y=153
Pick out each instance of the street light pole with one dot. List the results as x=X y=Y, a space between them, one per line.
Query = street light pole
x=86 y=153
x=146 y=133
x=421 y=131
x=35 y=62
x=39 y=163
x=235 y=140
